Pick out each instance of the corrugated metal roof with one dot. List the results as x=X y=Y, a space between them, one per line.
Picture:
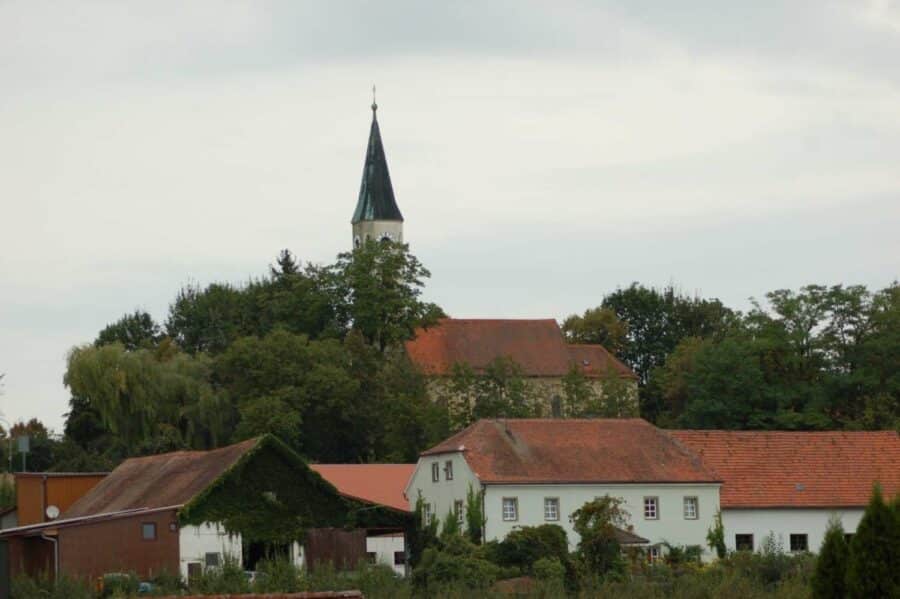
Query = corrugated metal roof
x=530 y=451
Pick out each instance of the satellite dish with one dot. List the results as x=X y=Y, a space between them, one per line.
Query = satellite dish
x=52 y=512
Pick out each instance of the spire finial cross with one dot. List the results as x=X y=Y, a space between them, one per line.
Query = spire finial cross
x=374 y=104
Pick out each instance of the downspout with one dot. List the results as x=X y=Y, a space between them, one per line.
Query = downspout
x=55 y=555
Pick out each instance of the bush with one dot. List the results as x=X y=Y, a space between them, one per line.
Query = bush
x=873 y=569
x=44 y=588
x=229 y=578
x=278 y=575
x=523 y=546
x=831 y=568
x=439 y=571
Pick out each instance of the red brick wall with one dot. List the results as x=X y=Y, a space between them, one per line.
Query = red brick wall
x=91 y=550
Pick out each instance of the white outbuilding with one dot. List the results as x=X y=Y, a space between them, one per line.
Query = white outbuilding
x=787 y=485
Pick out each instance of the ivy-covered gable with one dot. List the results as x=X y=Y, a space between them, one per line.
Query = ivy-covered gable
x=269 y=495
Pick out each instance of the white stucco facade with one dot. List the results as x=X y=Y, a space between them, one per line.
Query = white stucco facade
x=782 y=523
x=195 y=542
x=385 y=547
x=671 y=525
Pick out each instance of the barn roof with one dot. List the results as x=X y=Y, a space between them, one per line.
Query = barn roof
x=536 y=345
x=767 y=469
x=629 y=450
x=159 y=481
x=381 y=484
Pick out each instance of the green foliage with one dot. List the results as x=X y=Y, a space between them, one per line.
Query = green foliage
x=873 y=569
x=550 y=571
x=7 y=492
x=377 y=289
x=715 y=536
x=43 y=587
x=598 y=326
x=595 y=523
x=120 y=584
x=829 y=579
x=134 y=331
x=269 y=495
x=278 y=575
x=451 y=526
x=227 y=578
x=500 y=391
x=525 y=545
x=474 y=515
x=439 y=571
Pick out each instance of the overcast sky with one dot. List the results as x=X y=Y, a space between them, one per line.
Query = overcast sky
x=542 y=153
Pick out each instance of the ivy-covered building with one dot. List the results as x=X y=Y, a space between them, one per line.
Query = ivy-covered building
x=184 y=511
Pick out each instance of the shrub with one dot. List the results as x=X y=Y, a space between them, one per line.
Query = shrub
x=439 y=571
x=45 y=588
x=831 y=567
x=229 y=578
x=474 y=515
x=715 y=537
x=278 y=575
x=523 y=546
x=873 y=569
x=595 y=522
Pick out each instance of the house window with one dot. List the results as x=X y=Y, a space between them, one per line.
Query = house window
x=653 y=554
x=448 y=470
x=743 y=542
x=510 y=509
x=212 y=560
x=690 y=508
x=799 y=543
x=399 y=558
x=551 y=509
x=426 y=513
x=371 y=557
x=651 y=508
x=458 y=511
x=435 y=472
x=148 y=531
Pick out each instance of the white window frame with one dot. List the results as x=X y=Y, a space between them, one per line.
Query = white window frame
x=458 y=511
x=435 y=472
x=512 y=515
x=551 y=501
x=694 y=502
x=651 y=514
x=654 y=554
x=427 y=513
x=791 y=541
x=448 y=470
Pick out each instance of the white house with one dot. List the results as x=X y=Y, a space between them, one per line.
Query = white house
x=789 y=484
x=539 y=471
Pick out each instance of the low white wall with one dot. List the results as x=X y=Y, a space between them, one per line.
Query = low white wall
x=785 y=522
x=384 y=547
x=671 y=526
x=196 y=541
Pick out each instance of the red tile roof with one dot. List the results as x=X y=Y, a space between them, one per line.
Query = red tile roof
x=170 y=479
x=798 y=469
x=574 y=451
x=381 y=484
x=537 y=346
x=595 y=360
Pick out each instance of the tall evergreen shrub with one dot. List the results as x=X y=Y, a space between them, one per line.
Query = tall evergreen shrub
x=828 y=580
x=873 y=569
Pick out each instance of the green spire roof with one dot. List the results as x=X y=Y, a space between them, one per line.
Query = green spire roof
x=376 y=195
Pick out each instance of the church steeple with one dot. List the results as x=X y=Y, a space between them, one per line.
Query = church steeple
x=377 y=215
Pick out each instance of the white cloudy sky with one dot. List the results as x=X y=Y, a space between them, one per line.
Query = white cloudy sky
x=543 y=153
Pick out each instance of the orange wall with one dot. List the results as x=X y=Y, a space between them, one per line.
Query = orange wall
x=61 y=491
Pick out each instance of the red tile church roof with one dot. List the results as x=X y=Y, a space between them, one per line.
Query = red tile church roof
x=537 y=346
x=574 y=451
x=767 y=469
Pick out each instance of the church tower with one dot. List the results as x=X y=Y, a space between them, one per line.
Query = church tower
x=377 y=215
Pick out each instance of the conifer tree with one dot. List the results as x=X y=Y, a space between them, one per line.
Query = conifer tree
x=829 y=578
x=873 y=569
